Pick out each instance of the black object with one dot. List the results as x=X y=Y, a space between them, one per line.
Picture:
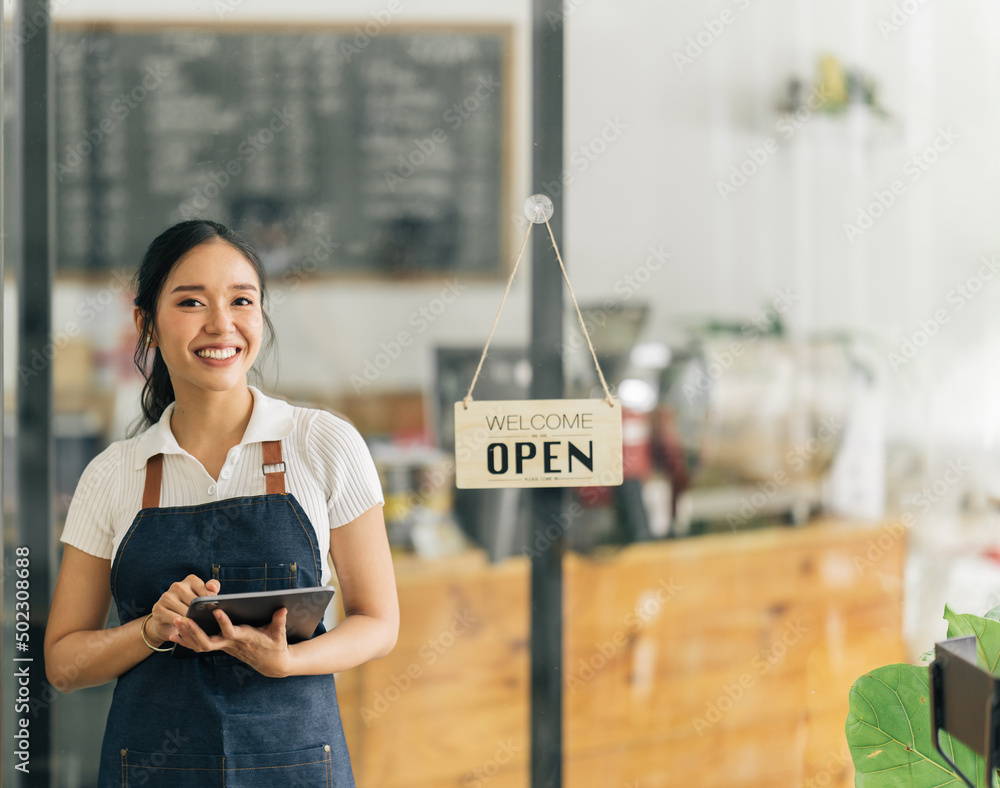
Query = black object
x=33 y=253
x=965 y=702
x=632 y=511
x=305 y=609
x=497 y=520
x=547 y=382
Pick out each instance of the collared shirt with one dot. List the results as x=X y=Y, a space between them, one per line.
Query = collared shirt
x=328 y=469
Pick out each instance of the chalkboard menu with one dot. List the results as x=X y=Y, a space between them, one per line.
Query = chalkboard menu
x=332 y=149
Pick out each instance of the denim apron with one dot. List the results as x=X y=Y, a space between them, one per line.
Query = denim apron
x=184 y=720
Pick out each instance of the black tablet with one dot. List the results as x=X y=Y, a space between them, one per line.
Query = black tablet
x=305 y=610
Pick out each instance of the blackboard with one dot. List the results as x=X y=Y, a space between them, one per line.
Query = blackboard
x=335 y=150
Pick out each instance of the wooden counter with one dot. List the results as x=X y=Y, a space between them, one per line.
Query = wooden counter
x=713 y=661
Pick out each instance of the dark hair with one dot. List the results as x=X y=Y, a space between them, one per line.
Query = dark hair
x=160 y=258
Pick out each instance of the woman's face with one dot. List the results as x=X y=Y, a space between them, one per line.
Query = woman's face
x=209 y=319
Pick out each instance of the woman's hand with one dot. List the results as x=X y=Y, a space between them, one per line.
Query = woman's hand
x=265 y=649
x=172 y=606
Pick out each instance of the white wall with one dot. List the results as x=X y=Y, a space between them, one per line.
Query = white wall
x=688 y=125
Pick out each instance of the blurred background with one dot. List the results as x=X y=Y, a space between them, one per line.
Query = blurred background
x=778 y=219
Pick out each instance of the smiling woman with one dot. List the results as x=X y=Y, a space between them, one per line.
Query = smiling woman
x=224 y=490
x=208 y=334
x=196 y=279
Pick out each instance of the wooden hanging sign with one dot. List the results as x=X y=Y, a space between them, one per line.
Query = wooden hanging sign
x=538 y=443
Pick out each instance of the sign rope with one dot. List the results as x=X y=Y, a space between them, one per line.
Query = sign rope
x=600 y=374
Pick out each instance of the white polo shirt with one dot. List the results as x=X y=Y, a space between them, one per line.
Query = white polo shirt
x=328 y=469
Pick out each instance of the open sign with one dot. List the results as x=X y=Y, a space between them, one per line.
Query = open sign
x=538 y=443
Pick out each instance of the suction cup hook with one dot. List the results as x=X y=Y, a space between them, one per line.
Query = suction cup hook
x=539 y=208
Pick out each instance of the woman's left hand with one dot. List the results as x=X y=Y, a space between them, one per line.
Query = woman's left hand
x=265 y=649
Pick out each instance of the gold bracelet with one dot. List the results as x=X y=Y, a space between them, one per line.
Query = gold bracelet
x=142 y=632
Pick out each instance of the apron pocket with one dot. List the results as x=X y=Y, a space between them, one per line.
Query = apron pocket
x=311 y=768
x=162 y=770
x=269 y=577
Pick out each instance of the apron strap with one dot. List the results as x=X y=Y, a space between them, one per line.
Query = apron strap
x=273 y=468
x=154 y=474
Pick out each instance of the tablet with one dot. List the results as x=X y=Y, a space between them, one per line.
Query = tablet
x=305 y=609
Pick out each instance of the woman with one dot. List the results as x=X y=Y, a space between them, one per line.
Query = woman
x=226 y=490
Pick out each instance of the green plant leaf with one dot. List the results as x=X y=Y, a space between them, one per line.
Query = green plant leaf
x=986 y=630
x=888 y=731
x=889 y=723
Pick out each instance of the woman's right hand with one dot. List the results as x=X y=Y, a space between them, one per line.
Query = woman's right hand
x=173 y=605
